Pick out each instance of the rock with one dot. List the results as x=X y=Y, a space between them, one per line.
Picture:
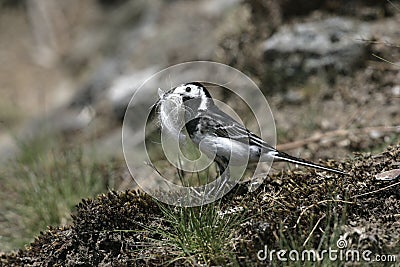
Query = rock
x=154 y=40
x=123 y=88
x=215 y=8
x=8 y=147
x=298 y=51
x=396 y=91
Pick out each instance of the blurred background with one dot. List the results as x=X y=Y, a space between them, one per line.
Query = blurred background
x=329 y=69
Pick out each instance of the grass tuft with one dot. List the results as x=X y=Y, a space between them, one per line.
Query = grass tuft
x=42 y=187
x=199 y=235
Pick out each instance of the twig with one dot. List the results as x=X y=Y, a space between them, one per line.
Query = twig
x=385 y=60
x=151 y=165
x=387 y=43
x=312 y=231
x=376 y=191
x=318 y=203
x=336 y=133
x=395 y=6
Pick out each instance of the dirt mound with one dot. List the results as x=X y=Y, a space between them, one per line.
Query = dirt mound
x=291 y=210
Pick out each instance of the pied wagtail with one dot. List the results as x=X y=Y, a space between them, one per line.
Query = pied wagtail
x=222 y=138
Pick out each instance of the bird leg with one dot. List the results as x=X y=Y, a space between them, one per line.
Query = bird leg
x=224 y=174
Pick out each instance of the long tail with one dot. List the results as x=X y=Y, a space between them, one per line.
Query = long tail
x=281 y=156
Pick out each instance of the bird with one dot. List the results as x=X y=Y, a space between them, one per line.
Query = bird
x=222 y=138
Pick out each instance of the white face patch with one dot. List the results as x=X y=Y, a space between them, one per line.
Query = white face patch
x=194 y=92
x=189 y=90
x=204 y=102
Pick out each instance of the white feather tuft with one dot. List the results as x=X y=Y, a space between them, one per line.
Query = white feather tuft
x=172 y=116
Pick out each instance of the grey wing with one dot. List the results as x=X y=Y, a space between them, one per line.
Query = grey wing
x=222 y=125
x=226 y=126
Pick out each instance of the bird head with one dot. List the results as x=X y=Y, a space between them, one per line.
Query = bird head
x=194 y=95
x=192 y=90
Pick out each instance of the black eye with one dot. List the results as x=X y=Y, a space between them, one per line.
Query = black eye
x=188 y=89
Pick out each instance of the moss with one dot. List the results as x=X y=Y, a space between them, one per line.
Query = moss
x=116 y=228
